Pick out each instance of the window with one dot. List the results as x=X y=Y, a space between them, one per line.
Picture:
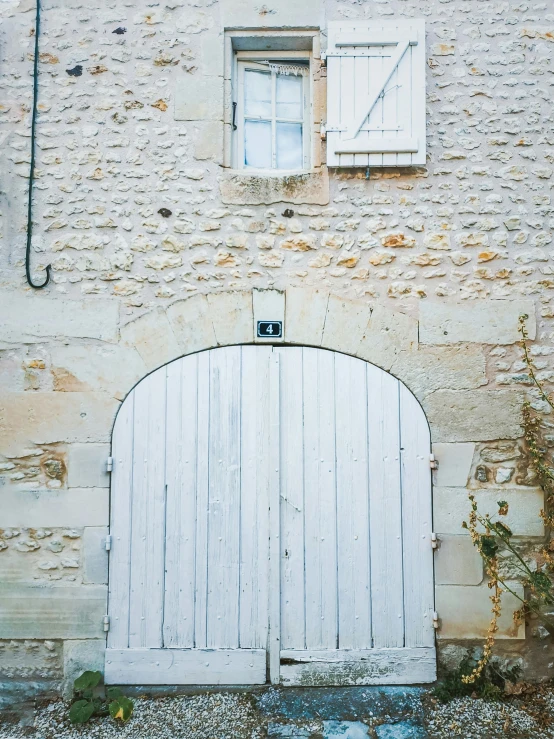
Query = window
x=271 y=112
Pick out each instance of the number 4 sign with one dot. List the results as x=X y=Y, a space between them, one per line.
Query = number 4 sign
x=270 y=329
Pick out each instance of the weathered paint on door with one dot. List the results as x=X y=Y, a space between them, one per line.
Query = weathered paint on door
x=271 y=515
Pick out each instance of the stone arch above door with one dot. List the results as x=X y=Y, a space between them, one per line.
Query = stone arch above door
x=448 y=379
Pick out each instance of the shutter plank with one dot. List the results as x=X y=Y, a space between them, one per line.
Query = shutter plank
x=404 y=102
x=274 y=641
x=389 y=108
x=224 y=499
x=418 y=113
x=202 y=501
x=354 y=606
x=373 y=152
x=347 y=104
x=182 y=415
x=148 y=517
x=379 y=145
x=360 y=667
x=416 y=522
x=385 y=514
x=361 y=81
x=254 y=524
x=293 y=627
x=185 y=667
x=120 y=524
x=320 y=499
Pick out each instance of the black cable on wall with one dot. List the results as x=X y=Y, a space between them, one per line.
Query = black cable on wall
x=32 y=167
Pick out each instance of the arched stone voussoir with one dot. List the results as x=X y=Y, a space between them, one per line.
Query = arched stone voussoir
x=376 y=334
x=387 y=335
x=152 y=336
x=191 y=325
x=232 y=317
x=430 y=368
x=216 y=319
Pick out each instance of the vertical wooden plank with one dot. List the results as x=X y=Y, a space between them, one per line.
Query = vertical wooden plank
x=293 y=632
x=361 y=77
x=354 y=602
x=320 y=499
x=182 y=391
x=404 y=100
x=347 y=101
x=120 y=525
x=417 y=58
x=416 y=522
x=257 y=453
x=202 y=501
x=334 y=108
x=224 y=499
x=274 y=641
x=148 y=513
x=388 y=101
x=374 y=63
x=385 y=514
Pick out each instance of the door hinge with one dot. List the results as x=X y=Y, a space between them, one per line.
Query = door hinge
x=434 y=463
x=434 y=541
x=106 y=621
x=108 y=542
x=109 y=464
x=435 y=620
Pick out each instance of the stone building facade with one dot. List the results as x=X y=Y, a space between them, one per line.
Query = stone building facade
x=160 y=248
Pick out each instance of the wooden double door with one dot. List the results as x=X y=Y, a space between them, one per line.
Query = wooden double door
x=270 y=520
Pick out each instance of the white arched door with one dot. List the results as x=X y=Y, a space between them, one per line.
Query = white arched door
x=270 y=518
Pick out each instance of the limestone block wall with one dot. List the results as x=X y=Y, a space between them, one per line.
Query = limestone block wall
x=158 y=250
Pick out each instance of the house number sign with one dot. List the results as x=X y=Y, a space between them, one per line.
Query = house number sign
x=270 y=329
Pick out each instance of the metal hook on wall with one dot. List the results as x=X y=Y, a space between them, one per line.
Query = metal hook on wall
x=32 y=165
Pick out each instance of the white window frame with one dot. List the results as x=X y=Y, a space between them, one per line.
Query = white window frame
x=244 y=60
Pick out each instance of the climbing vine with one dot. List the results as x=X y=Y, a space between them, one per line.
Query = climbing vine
x=491 y=535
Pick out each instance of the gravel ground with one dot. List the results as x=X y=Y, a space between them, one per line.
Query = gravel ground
x=234 y=716
x=213 y=716
x=529 y=717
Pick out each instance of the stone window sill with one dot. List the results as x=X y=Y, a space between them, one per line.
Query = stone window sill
x=239 y=187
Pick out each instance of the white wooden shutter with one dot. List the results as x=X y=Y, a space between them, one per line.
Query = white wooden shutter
x=376 y=93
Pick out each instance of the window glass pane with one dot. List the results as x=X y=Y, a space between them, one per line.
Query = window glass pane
x=257 y=94
x=257 y=144
x=289 y=96
x=289 y=146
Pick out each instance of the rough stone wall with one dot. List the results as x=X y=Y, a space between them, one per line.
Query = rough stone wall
x=475 y=224
x=132 y=210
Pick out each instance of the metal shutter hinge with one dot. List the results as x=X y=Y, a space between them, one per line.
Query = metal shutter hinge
x=434 y=463
x=109 y=464
x=435 y=620
x=106 y=621
x=108 y=542
x=434 y=541
x=323 y=131
x=323 y=57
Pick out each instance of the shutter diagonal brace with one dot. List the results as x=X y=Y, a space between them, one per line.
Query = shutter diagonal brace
x=369 y=102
